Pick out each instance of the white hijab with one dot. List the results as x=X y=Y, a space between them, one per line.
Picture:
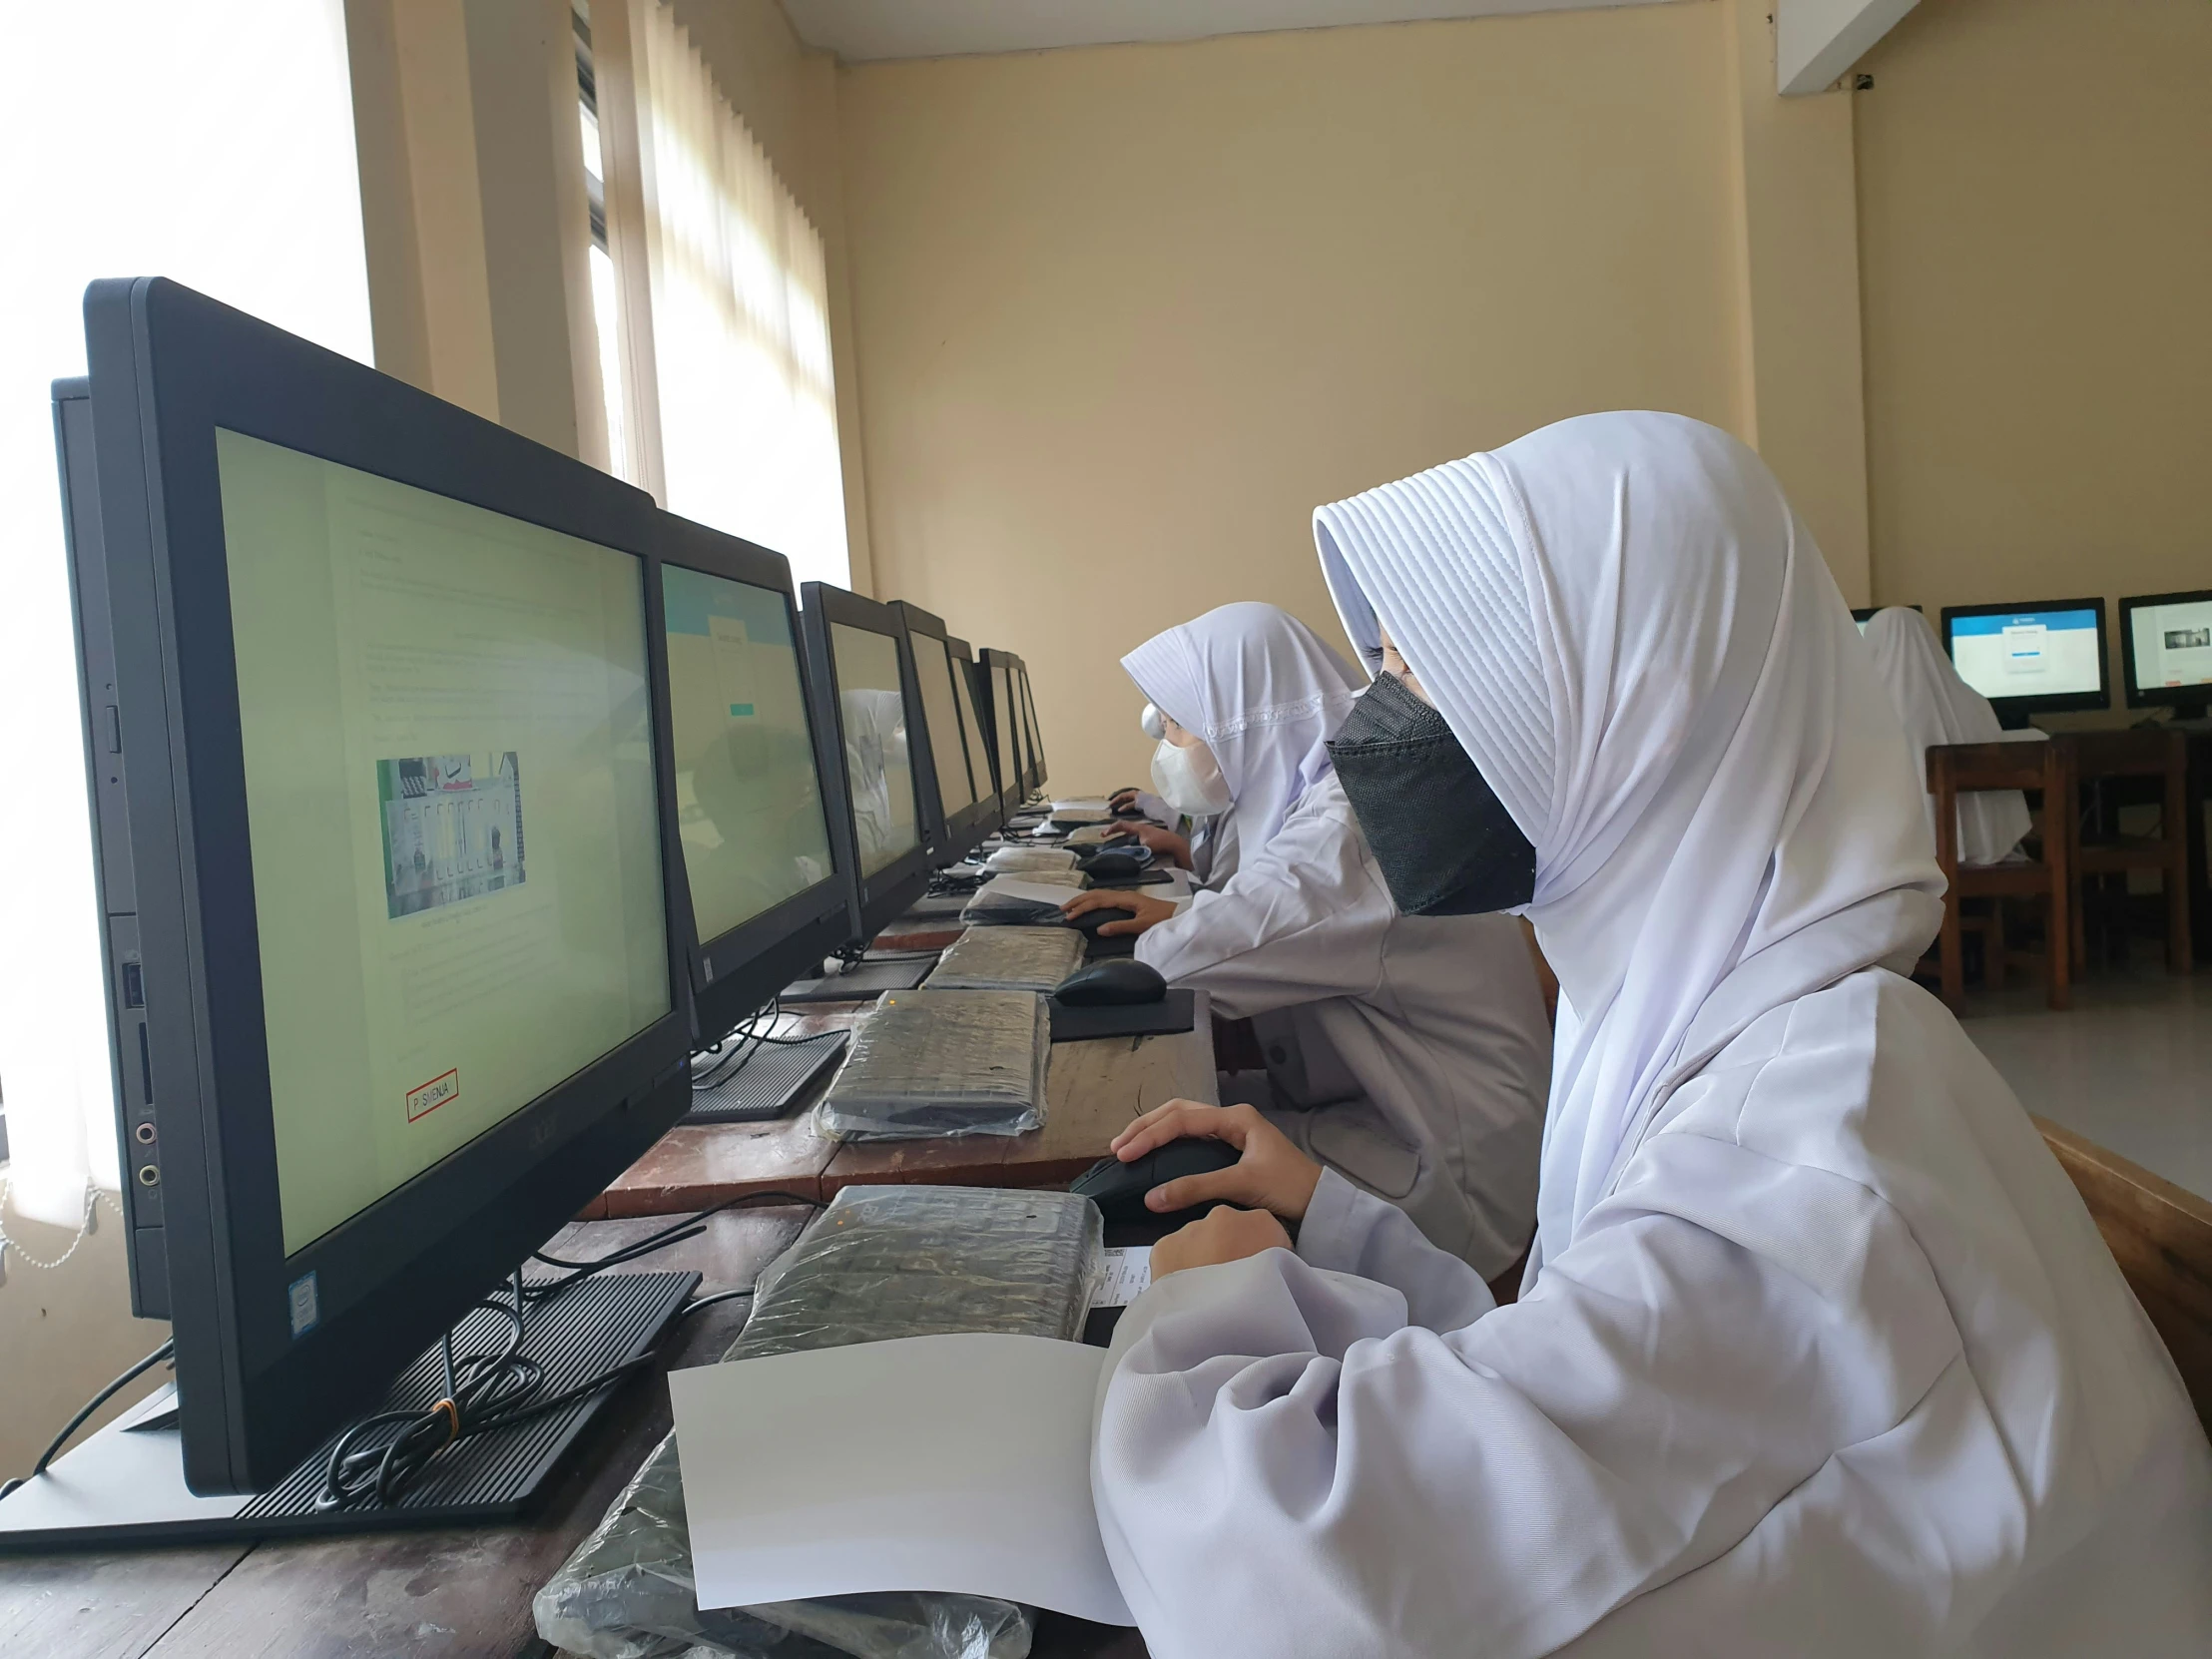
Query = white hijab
x=1265 y=693
x=1638 y=644
x=1936 y=707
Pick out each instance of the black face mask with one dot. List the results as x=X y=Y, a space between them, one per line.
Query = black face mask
x=1446 y=843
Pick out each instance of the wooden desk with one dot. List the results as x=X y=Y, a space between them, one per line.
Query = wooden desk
x=428 y=1595
x=1093 y=1089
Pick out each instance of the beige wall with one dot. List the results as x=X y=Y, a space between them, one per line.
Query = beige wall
x=1127 y=315
x=2035 y=199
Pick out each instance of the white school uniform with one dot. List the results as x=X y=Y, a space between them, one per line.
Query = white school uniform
x=1936 y=705
x=1818 y=1352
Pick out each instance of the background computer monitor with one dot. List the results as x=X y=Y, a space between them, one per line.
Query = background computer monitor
x=955 y=797
x=1036 y=733
x=2031 y=659
x=995 y=683
x=363 y=642
x=990 y=814
x=860 y=676
x=768 y=890
x=2166 y=652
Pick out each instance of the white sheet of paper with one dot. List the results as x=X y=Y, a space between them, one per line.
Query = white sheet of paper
x=956 y=1463
x=1128 y=1275
x=1086 y=803
x=1036 y=892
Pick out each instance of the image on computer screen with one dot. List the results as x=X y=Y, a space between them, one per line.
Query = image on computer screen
x=749 y=807
x=449 y=793
x=878 y=771
x=933 y=666
x=1002 y=727
x=2027 y=653
x=2173 y=644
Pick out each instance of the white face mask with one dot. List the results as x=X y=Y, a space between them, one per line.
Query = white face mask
x=1189 y=779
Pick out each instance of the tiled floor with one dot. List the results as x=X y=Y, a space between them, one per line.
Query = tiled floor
x=2129 y=1065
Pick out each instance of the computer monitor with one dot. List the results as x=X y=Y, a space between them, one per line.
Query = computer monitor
x=383 y=889
x=957 y=801
x=991 y=814
x=1029 y=725
x=2166 y=652
x=2031 y=659
x=769 y=890
x=995 y=681
x=861 y=679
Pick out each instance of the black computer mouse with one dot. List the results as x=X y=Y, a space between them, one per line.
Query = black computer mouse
x=1114 y=983
x=1116 y=865
x=1118 y=1189
x=1090 y=922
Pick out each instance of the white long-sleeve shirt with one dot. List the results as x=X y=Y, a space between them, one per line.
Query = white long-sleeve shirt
x=1412 y=1053
x=1840 y=1368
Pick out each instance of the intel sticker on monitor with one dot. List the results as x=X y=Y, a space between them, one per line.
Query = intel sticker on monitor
x=305 y=1313
x=452 y=829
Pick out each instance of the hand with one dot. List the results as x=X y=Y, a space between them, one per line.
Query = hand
x=1150 y=912
x=1121 y=801
x=1270 y=1173
x=1222 y=1234
x=1165 y=844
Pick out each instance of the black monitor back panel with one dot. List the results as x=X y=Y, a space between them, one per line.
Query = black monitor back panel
x=739 y=971
x=884 y=895
x=963 y=827
x=259 y=1388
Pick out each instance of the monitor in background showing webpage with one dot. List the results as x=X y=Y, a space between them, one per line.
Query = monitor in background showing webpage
x=2027 y=653
x=2173 y=644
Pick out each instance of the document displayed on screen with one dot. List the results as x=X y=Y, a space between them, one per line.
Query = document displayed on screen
x=749 y=807
x=933 y=665
x=2028 y=653
x=449 y=793
x=877 y=768
x=2173 y=644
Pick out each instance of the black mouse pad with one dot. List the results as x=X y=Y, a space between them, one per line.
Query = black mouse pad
x=1104 y=946
x=1177 y=1012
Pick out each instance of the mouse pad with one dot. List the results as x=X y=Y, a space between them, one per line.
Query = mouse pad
x=1178 y=1013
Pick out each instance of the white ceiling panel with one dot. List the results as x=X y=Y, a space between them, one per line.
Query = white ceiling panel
x=865 y=30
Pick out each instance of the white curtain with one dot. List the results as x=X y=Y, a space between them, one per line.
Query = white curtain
x=214 y=146
x=741 y=318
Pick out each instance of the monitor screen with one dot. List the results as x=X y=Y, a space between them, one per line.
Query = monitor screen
x=1002 y=730
x=2173 y=644
x=2028 y=653
x=876 y=764
x=963 y=690
x=749 y=806
x=1029 y=725
x=449 y=793
x=941 y=704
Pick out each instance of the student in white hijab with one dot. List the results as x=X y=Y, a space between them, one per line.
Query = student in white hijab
x=1408 y=1053
x=1936 y=705
x=1819 y=1353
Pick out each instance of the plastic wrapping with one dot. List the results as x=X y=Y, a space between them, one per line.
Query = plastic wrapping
x=1033 y=897
x=1029 y=860
x=880 y=1262
x=1008 y=959
x=934 y=1063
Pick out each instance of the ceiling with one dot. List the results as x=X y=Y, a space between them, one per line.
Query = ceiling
x=862 y=30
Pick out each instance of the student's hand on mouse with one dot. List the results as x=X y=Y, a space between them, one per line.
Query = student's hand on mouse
x=1270 y=1173
x=1225 y=1234
x=1121 y=801
x=1150 y=912
x=1165 y=844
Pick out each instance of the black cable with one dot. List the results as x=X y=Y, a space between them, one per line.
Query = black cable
x=167 y=1351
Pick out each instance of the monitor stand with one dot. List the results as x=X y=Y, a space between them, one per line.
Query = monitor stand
x=2010 y=720
x=769 y=1082
x=126 y=1484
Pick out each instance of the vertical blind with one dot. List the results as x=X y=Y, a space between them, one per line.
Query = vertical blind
x=740 y=308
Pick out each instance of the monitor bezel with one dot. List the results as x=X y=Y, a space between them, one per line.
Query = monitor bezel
x=2157 y=697
x=168 y=368
x=1010 y=791
x=990 y=805
x=2048 y=701
x=737 y=972
x=882 y=898
x=961 y=832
